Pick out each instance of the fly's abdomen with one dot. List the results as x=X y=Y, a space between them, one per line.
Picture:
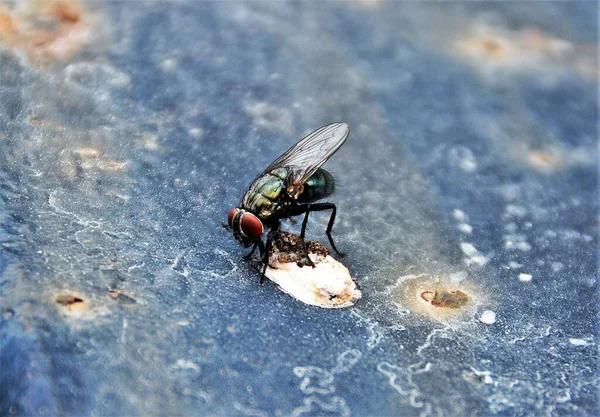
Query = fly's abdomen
x=320 y=185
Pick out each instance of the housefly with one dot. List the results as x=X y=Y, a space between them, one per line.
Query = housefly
x=290 y=186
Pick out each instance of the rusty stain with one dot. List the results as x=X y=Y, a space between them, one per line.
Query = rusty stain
x=491 y=47
x=46 y=30
x=526 y=49
x=87 y=152
x=514 y=48
x=84 y=160
x=36 y=121
x=66 y=11
x=549 y=158
x=542 y=160
x=7 y=25
x=445 y=298
x=121 y=297
x=113 y=165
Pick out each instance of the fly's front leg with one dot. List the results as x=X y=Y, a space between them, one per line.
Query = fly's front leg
x=249 y=256
x=321 y=207
x=265 y=252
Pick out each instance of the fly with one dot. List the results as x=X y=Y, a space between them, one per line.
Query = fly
x=289 y=187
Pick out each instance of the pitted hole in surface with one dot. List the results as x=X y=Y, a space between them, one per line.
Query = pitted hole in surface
x=445 y=298
x=68 y=299
x=438 y=297
x=72 y=304
x=8 y=313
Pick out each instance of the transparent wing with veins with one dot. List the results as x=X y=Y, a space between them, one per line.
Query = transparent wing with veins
x=305 y=157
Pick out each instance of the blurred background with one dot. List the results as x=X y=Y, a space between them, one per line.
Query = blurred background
x=129 y=129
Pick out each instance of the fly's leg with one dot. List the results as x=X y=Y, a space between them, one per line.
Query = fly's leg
x=321 y=207
x=263 y=256
x=249 y=256
x=265 y=252
x=308 y=261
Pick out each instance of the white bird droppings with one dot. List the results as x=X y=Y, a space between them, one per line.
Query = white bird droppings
x=459 y=215
x=488 y=317
x=466 y=228
x=514 y=265
x=578 y=342
x=525 y=277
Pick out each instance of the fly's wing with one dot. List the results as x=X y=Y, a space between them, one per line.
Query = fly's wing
x=305 y=157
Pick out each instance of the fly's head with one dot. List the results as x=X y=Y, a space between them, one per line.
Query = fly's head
x=246 y=227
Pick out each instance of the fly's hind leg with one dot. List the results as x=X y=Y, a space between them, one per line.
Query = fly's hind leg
x=307 y=259
x=321 y=207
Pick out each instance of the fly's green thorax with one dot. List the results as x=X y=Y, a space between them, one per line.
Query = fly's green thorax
x=263 y=197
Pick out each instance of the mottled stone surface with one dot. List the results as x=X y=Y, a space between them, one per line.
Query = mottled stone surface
x=129 y=129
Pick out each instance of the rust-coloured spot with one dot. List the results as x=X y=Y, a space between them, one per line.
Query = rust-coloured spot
x=113 y=165
x=68 y=299
x=490 y=46
x=550 y=158
x=7 y=24
x=445 y=298
x=66 y=11
x=486 y=47
x=36 y=121
x=87 y=152
x=84 y=162
x=120 y=297
x=527 y=50
x=46 y=30
x=542 y=157
x=543 y=161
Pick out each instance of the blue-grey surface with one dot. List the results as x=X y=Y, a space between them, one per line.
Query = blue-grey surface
x=127 y=137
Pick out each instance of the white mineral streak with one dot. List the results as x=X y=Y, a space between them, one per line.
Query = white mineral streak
x=472 y=255
x=458 y=276
x=327 y=285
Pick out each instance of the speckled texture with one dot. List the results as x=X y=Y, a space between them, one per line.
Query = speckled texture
x=129 y=129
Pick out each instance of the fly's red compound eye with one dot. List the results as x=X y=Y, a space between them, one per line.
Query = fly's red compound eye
x=252 y=226
x=231 y=215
